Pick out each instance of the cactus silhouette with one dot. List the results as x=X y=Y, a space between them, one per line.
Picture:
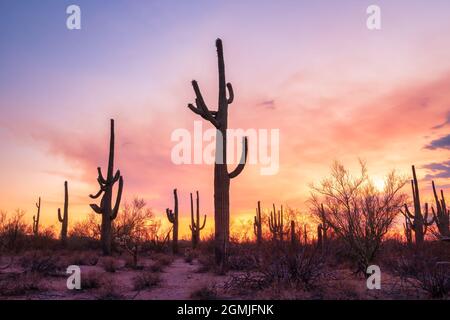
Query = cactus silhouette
x=441 y=215
x=407 y=229
x=257 y=225
x=108 y=212
x=418 y=221
x=219 y=119
x=36 y=218
x=322 y=228
x=293 y=235
x=195 y=223
x=276 y=224
x=172 y=216
x=64 y=219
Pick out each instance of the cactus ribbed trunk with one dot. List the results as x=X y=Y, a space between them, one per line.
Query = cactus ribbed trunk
x=441 y=215
x=219 y=119
x=64 y=219
x=172 y=216
x=108 y=212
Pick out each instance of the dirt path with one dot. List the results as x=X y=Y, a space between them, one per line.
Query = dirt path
x=179 y=280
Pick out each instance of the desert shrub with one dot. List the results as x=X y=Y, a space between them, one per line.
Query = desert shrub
x=146 y=280
x=21 y=284
x=206 y=292
x=163 y=259
x=190 y=255
x=207 y=263
x=39 y=262
x=13 y=231
x=109 y=264
x=157 y=267
x=425 y=271
x=91 y=280
x=109 y=291
x=243 y=260
x=302 y=267
x=83 y=259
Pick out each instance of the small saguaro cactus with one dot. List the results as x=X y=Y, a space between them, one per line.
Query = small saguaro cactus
x=276 y=224
x=64 y=219
x=195 y=223
x=257 y=225
x=408 y=231
x=293 y=234
x=172 y=216
x=108 y=212
x=323 y=225
x=418 y=221
x=36 y=218
x=441 y=215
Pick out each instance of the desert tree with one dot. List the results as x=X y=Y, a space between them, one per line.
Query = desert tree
x=219 y=119
x=106 y=209
x=356 y=210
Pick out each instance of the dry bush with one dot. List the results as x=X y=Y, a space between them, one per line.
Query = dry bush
x=83 y=259
x=426 y=268
x=163 y=259
x=109 y=264
x=243 y=257
x=146 y=280
x=109 y=291
x=205 y=292
x=207 y=263
x=41 y=262
x=190 y=255
x=91 y=280
x=13 y=231
x=21 y=284
x=356 y=211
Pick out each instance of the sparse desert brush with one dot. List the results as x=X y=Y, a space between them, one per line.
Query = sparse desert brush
x=109 y=291
x=243 y=261
x=205 y=292
x=109 y=264
x=146 y=280
x=190 y=255
x=163 y=259
x=207 y=263
x=83 y=258
x=21 y=284
x=91 y=280
x=424 y=270
x=157 y=267
x=39 y=261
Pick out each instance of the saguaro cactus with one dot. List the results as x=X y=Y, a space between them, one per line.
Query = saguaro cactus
x=36 y=218
x=418 y=221
x=305 y=235
x=441 y=215
x=108 y=212
x=276 y=225
x=257 y=225
x=195 y=223
x=219 y=119
x=64 y=219
x=172 y=216
x=322 y=228
x=408 y=231
x=293 y=234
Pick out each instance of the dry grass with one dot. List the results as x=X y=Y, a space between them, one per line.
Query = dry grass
x=146 y=280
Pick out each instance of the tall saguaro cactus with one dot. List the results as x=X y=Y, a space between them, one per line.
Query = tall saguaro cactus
x=276 y=224
x=293 y=235
x=108 y=212
x=418 y=221
x=219 y=119
x=64 y=219
x=257 y=225
x=322 y=228
x=172 y=216
x=36 y=218
x=441 y=215
x=195 y=223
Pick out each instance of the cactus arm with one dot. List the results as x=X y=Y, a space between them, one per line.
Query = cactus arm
x=98 y=194
x=96 y=208
x=119 y=197
x=116 y=177
x=407 y=212
x=204 y=222
x=60 y=218
x=230 y=98
x=170 y=215
x=242 y=162
x=100 y=178
x=202 y=109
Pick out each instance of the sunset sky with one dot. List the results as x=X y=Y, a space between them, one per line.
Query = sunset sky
x=336 y=91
